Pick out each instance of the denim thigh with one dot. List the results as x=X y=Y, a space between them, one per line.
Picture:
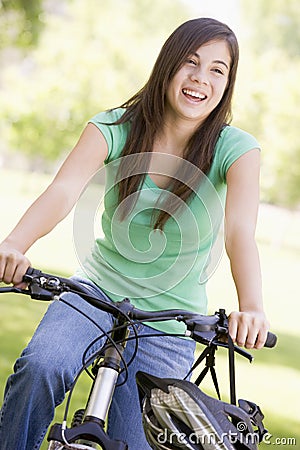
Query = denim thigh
x=162 y=356
x=47 y=368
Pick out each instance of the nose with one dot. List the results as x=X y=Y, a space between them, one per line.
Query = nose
x=198 y=75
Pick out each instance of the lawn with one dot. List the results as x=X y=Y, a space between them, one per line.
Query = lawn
x=272 y=380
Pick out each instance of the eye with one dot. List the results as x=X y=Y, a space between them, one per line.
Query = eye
x=218 y=70
x=191 y=61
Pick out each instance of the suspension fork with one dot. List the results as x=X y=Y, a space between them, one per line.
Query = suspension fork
x=107 y=370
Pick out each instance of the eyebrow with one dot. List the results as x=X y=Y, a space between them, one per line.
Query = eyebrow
x=216 y=61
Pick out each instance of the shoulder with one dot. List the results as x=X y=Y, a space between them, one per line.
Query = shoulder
x=107 y=117
x=232 y=135
x=114 y=134
x=233 y=142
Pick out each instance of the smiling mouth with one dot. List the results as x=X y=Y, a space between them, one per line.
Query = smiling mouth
x=194 y=95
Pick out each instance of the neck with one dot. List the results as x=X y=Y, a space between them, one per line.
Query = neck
x=173 y=137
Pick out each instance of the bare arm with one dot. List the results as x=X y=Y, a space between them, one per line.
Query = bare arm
x=54 y=204
x=248 y=326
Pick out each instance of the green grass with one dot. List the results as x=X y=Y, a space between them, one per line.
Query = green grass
x=272 y=380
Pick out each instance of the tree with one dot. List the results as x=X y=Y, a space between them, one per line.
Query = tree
x=272 y=24
x=269 y=95
x=91 y=55
x=20 y=22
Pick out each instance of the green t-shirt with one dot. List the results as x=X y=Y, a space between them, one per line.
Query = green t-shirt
x=162 y=270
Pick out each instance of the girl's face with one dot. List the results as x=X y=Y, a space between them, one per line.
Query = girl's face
x=199 y=85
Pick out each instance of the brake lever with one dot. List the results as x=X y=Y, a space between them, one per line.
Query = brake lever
x=36 y=292
x=237 y=349
x=41 y=287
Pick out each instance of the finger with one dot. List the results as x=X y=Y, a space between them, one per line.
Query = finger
x=9 y=269
x=1 y=270
x=242 y=333
x=2 y=266
x=21 y=285
x=251 y=337
x=233 y=326
x=20 y=271
x=261 y=338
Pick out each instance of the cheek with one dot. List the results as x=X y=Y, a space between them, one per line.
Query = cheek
x=225 y=85
x=220 y=90
x=172 y=90
x=218 y=95
x=169 y=95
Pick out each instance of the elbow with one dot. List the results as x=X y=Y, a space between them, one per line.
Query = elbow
x=239 y=239
x=61 y=198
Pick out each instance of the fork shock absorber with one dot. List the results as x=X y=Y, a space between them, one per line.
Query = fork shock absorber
x=104 y=384
x=91 y=430
x=107 y=372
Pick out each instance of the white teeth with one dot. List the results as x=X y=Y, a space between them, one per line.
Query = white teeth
x=194 y=94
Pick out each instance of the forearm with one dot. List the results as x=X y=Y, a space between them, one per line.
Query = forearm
x=246 y=271
x=41 y=217
x=248 y=326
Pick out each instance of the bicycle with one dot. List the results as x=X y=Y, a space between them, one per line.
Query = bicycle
x=87 y=430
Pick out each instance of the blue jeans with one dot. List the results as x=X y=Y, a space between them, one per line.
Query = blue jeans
x=47 y=367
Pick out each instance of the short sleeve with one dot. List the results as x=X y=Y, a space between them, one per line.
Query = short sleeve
x=115 y=135
x=232 y=144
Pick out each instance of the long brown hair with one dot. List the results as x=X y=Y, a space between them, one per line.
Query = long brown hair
x=145 y=110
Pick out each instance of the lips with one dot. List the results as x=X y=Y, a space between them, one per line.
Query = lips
x=193 y=95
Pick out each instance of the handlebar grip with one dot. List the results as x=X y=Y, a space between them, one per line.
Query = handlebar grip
x=271 y=340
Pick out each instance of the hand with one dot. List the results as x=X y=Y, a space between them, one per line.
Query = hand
x=13 y=265
x=248 y=328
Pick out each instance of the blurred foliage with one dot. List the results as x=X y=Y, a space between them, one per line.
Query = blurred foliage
x=274 y=24
x=90 y=57
x=20 y=22
x=269 y=94
x=82 y=57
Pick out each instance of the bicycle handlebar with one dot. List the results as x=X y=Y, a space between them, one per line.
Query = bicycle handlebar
x=201 y=328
